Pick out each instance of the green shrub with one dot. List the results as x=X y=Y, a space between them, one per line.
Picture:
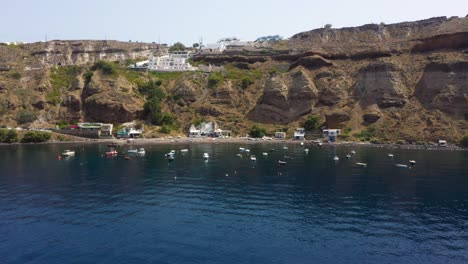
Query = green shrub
x=63 y=77
x=36 y=137
x=257 y=131
x=15 y=75
x=464 y=141
x=87 y=76
x=152 y=89
x=26 y=117
x=8 y=136
x=54 y=97
x=214 y=79
x=246 y=82
x=400 y=142
x=366 y=134
x=106 y=67
x=165 y=129
x=311 y=123
x=177 y=47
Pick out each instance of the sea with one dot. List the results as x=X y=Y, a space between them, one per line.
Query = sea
x=228 y=209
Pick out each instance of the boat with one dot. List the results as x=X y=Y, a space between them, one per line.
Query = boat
x=336 y=158
x=306 y=150
x=242 y=149
x=141 y=151
x=282 y=162
x=320 y=144
x=184 y=150
x=353 y=152
x=412 y=162
x=68 y=153
x=172 y=152
x=390 y=155
x=348 y=156
x=170 y=158
x=132 y=151
x=285 y=148
x=112 y=153
x=253 y=158
x=247 y=150
x=401 y=165
x=265 y=154
x=362 y=164
x=302 y=143
x=287 y=157
x=206 y=156
x=239 y=155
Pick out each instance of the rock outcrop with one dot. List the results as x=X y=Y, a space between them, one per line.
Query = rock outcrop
x=380 y=83
x=444 y=86
x=285 y=99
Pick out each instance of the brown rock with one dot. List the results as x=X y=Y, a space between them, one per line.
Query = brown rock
x=311 y=62
x=337 y=118
x=371 y=118
x=212 y=111
x=39 y=105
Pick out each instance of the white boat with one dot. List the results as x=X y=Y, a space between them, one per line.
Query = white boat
x=184 y=150
x=141 y=151
x=206 y=156
x=170 y=157
x=242 y=149
x=68 y=153
x=265 y=154
x=401 y=165
x=390 y=155
x=132 y=151
x=302 y=143
x=281 y=162
x=353 y=152
x=412 y=162
x=247 y=150
x=253 y=158
x=239 y=155
x=285 y=148
x=348 y=156
x=336 y=158
x=172 y=152
x=306 y=150
x=320 y=144
x=362 y=164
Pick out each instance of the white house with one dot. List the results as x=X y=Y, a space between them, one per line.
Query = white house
x=194 y=132
x=175 y=61
x=331 y=134
x=213 y=48
x=299 y=134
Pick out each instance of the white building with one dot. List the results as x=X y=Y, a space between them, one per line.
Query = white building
x=175 y=61
x=194 y=132
x=331 y=134
x=299 y=134
x=223 y=44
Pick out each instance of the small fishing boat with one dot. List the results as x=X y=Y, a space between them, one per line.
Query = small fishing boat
x=362 y=164
x=184 y=150
x=68 y=153
x=272 y=150
x=287 y=157
x=302 y=144
x=253 y=158
x=401 y=165
x=141 y=152
x=132 y=151
x=112 y=153
x=172 y=152
x=412 y=162
x=285 y=148
x=353 y=152
x=336 y=158
x=247 y=150
x=242 y=149
x=320 y=144
x=239 y=155
x=348 y=156
x=390 y=155
x=206 y=156
x=170 y=158
x=265 y=153
x=306 y=150
x=281 y=162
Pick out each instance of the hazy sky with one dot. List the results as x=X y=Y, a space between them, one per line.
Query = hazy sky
x=187 y=21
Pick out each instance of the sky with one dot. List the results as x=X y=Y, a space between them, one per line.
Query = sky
x=187 y=21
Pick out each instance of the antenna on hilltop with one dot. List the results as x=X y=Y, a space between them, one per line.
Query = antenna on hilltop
x=46 y=37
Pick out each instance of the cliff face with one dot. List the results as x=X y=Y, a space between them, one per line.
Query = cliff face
x=406 y=80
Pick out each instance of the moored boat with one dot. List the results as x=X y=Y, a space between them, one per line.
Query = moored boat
x=206 y=156
x=253 y=158
x=141 y=152
x=68 y=153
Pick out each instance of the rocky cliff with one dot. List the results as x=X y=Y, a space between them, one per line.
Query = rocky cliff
x=405 y=81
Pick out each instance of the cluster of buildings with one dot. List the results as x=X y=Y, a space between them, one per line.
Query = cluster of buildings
x=208 y=129
x=100 y=130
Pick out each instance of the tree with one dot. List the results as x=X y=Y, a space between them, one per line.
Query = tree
x=36 y=137
x=464 y=141
x=26 y=117
x=257 y=131
x=177 y=47
x=196 y=45
x=311 y=123
x=8 y=136
x=106 y=67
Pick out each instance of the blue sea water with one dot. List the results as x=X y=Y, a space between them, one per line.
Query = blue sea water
x=90 y=209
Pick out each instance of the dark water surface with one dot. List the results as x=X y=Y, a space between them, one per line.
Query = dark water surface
x=89 y=209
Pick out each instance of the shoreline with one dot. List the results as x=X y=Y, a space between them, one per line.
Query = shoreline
x=187 y=140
